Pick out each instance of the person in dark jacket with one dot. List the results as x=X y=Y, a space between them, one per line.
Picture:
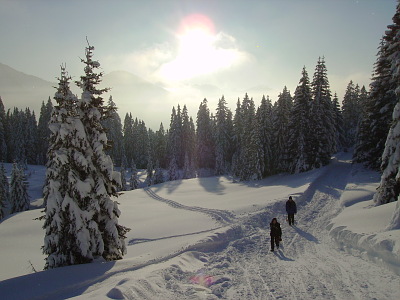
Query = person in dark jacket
x=275 y=233
x=291 y=210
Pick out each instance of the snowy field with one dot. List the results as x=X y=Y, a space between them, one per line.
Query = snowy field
x=208 y=238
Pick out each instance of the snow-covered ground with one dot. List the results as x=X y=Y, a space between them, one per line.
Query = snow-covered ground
x=208 y=238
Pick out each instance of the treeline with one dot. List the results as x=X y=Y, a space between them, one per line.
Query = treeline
x=295 y=134
x=23 y=139
x=378 y=139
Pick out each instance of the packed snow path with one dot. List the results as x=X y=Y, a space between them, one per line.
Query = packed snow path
x=221 y=216
x=308 y=265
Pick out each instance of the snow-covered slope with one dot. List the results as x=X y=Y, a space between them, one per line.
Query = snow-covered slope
x=208 y=238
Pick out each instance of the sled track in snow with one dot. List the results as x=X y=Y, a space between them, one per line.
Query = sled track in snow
x=221 y=216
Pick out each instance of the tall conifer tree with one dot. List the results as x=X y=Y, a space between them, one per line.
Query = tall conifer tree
x=299 y=127
x=104 y=181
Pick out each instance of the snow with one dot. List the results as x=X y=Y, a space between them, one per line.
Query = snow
x=208 y=238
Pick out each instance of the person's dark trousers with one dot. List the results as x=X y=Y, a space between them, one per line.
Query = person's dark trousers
x=274 y=241
x=291 y=219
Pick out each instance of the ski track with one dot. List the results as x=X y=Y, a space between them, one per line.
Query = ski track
x=221 y=216
x=308 y=265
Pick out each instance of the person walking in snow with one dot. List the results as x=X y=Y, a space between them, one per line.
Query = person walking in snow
x=291 y=210
x=275 y=233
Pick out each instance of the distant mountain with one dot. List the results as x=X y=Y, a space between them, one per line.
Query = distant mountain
x=130 y=92
x=21 y=90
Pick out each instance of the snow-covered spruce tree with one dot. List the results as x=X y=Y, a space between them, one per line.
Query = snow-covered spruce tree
x=205 y=141
x=113 y=126
x=128 y=139
x=299 y=126
x=236 y=140
x=223 y=138
x=149 y=171
x=4 y=192
x=161 y=146
x=254 y=151
x=19 y=197
x=104 y=180
x=338 y=121
x=281 y=131
x=141 y=145
x=30 y=137
x=175 y=137
x=173 y=173
x=352 y=112
x=43 y=134
x=389 y=188
x=158 y=174
x=322 y=140
x=265 y=124
x=72 y=235
x=374 y=126
x=16 y=143
x=251 y=150
x=3 y=133
x=186 y=168
x=123 y=178
x=188 y=136
x=134 y=180
x=3 y=142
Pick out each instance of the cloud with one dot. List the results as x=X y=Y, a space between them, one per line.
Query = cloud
x=144 y=62
x=188 y=57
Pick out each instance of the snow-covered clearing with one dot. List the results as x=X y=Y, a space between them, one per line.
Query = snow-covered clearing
x=208 y=238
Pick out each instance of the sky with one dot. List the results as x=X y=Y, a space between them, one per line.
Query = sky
x=198 y=48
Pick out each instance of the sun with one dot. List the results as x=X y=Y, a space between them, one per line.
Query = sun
x=198 y=52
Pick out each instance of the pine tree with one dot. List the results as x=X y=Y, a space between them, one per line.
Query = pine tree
x=237 y=140
x=188 y=136
x=161 y=146
x=340 y=139
x=223 y=138
x=123 y=178
x=105 y=181
x=281 y=130
x=322 y=140
x=4 y=192
x=19 y=197
x=128 y=139
x=113 y=126
x=205 y=141
x=3 y=142
x=254 y=153
x=375 y=124
x=43 y=130
x=158 y=174
x=30 y=137
x=186 y=168
x=389 y=188
x=265 y=124
x=352 y=112
x=141 y=143
x=16 y=140
x=134 y=180
x=173 y=173
x=71 y=233
x=249 y=163
x=175 y=137
x=150 y=171
x=299 y=126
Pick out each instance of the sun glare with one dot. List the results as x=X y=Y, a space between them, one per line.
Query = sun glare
x=198 y=52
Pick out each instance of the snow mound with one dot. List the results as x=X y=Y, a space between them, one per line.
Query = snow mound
x=360 y=228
